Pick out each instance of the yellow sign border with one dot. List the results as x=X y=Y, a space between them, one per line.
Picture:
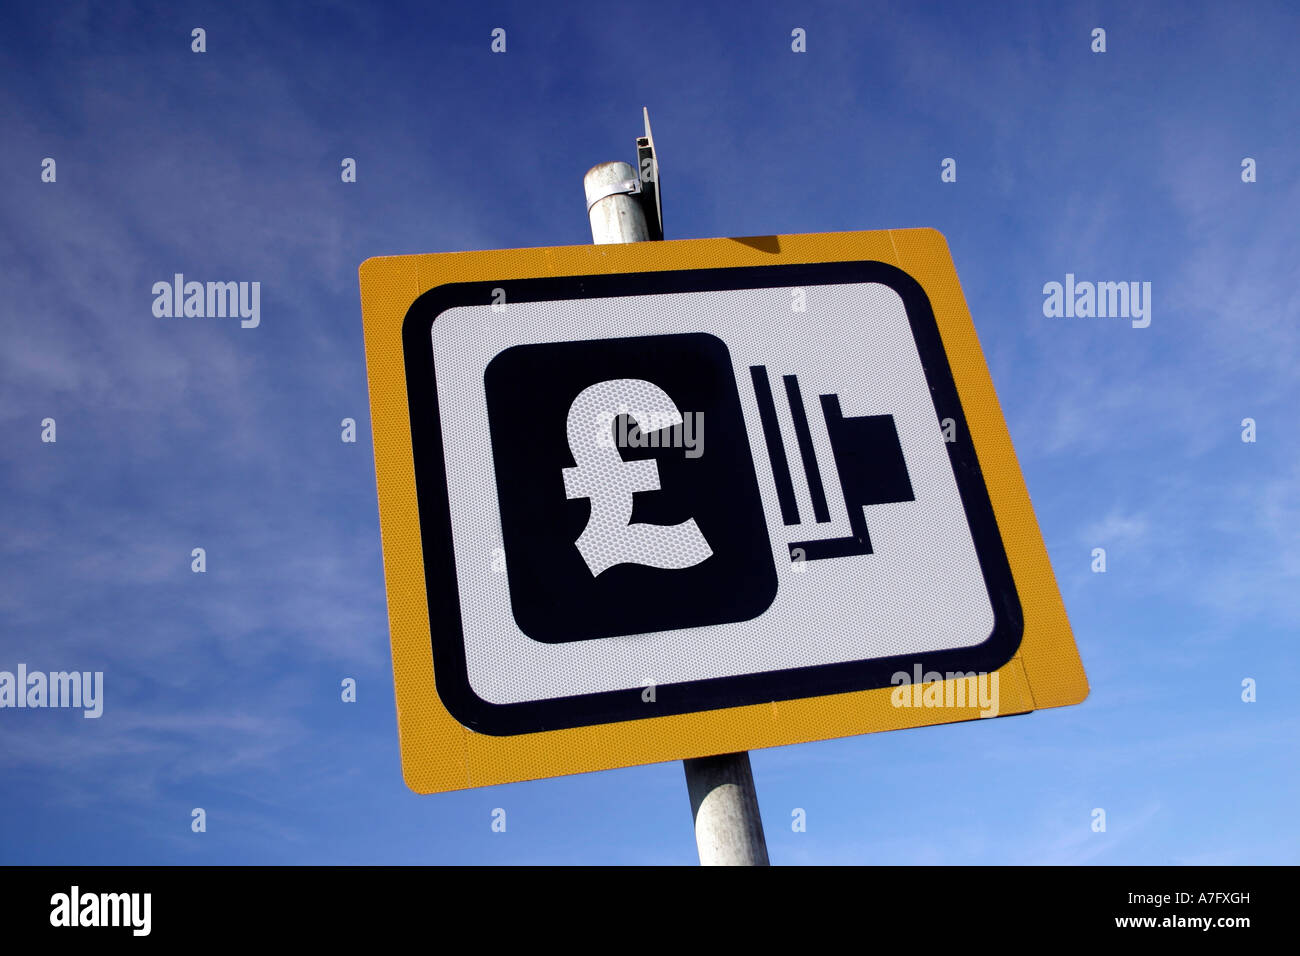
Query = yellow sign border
x=438 y=754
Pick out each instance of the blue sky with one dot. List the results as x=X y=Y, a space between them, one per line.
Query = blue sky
x=221 y=690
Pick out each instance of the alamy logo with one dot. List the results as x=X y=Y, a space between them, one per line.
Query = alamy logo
x=56 y=689
x=212 y=300
x=74 y=908
x=627 y=428
x=1102 y=300
x=949 y=689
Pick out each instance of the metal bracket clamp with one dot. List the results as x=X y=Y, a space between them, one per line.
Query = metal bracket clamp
x=627 y=187
x=647 y=162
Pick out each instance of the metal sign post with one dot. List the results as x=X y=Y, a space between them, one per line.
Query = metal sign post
x=625 y=205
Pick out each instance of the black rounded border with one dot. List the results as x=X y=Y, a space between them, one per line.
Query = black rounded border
x=445 y=621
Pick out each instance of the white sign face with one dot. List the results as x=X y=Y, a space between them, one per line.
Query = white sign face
x=747 y=487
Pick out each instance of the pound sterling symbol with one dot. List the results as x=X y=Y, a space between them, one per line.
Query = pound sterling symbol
x=609 y=482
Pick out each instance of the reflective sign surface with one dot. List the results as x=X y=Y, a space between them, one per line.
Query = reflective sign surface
x=661 y=500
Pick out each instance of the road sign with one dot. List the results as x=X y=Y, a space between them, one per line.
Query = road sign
x=655 y=501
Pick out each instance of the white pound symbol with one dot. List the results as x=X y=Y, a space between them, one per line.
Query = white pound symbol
x=604 y=477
